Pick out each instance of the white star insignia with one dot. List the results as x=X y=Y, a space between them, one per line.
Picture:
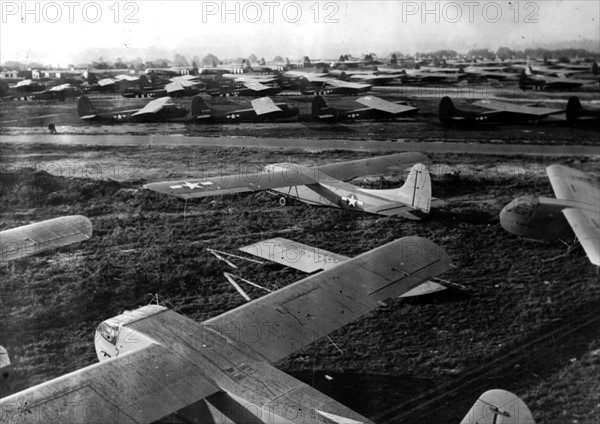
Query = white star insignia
x=191 y=186
x=352 y=201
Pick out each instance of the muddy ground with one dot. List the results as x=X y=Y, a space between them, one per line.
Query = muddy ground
x=526 y=320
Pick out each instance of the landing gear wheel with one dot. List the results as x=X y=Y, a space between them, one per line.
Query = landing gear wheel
x=282 y=201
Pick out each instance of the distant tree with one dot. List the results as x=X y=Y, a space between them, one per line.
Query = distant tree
x=278 y=59
x=564 y=59
x=13 y=64
x=252 y=58
x=210 y=60
x=119 y=64
x=179 y=60
x=393 y=59
x=100 y=64
x=481 y=53
x=262 y=61
x=342 y=58
x=505 y=53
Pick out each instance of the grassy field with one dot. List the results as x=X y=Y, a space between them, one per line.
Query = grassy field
x=526 y=321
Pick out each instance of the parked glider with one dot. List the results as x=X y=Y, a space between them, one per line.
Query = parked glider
x=158 y=110
x=154 y=361
x=576 y=208
x=323 y=185
x=501 y=112
x=376 y=108
x=263 y=109
x=529 y=80
x=310 y=259
x=35 y=238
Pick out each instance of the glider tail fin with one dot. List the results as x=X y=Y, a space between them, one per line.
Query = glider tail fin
x=85 y=108
x=318 y=105
x=198 y=106
x=573 y=109
x=417 y=188
x=496 y=406
x=447 y=110
x=305 y=86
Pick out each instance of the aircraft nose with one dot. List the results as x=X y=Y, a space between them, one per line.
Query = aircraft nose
x=515 y=217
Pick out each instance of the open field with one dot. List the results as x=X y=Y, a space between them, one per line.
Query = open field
x=527 y=320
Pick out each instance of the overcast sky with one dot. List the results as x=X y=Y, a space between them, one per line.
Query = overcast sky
x=289 y=29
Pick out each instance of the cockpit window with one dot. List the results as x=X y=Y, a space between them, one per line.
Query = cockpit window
x=109 y=332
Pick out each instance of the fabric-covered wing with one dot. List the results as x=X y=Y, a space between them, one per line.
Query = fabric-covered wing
x=572 y=184
x=237 y=183
x=586 y=227
x=295 y=316
x=264 y=105
x=518 y=109
x=154 y=106
x=35 y=238
x=349 y=170
x=140 y=386
x=384 y=105
x=173 y=87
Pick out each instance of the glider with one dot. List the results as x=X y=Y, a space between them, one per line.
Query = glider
x=154 y=361
x=263 y=109
x=323 y=185
x=375 y=108
x=158 y=110
x=498 y=112
x=576 y=207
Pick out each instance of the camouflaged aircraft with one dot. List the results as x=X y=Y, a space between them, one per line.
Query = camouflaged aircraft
x=159 y=110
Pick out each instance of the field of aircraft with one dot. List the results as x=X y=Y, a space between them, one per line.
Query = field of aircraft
x=209 y=374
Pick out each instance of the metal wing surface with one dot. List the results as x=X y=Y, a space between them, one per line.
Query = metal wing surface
x=154 y=106
x=264 y=105
x=237 y=183
x=140 y=386
x=295 y=316
x=384 y=105
x=35 y=238
x=574 y=185
x=349 y=170
x=518 y=109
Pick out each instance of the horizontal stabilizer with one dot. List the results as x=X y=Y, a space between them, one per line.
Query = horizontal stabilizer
x=293 y=254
